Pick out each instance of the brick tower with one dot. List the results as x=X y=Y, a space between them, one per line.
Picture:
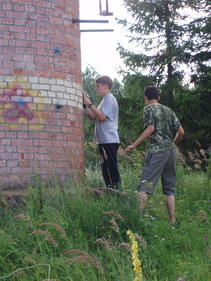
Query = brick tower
x=41 y=121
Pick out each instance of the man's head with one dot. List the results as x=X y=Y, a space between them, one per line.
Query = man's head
x=151 y=93
x=103 y=85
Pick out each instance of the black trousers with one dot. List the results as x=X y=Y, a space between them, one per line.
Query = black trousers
x=108 y=153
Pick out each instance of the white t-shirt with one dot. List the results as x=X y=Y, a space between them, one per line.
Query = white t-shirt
x=106 y=131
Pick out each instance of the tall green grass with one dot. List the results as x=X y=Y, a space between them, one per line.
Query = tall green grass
x=68 y=233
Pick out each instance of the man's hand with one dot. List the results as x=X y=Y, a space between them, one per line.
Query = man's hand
x=146 y=133
x=179 y=135
x=129 y=148
x=86 y=100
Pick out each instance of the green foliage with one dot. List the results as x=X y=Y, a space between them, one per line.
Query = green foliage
x=91 y=155
x=209 y=171
x=160 y=29
x=199 y=40
x=194 y=110
x=89 y=76
x=116 y=88
x=131 y=104
x=167 y=40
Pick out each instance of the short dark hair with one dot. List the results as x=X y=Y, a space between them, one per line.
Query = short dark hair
x=151 y=92
x=105 y=80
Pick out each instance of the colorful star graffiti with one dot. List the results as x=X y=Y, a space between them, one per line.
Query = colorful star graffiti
x=18 y=106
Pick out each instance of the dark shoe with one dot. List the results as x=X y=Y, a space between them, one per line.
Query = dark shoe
x=175 y=224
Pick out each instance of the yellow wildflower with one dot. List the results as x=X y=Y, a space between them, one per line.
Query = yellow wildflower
x=136 y=262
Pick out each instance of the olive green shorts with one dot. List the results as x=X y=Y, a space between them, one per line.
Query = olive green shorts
x=156 y=165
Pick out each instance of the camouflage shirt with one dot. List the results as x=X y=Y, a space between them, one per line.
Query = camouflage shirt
x=166 y=126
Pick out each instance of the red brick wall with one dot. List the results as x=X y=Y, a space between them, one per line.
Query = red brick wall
x=40 y=69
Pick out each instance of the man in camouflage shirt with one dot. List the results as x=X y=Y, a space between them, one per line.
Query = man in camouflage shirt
x=163 y=130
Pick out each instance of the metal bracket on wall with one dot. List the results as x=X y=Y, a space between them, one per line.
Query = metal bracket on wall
x=92 y=21
x=96 y=30
x=104 y=9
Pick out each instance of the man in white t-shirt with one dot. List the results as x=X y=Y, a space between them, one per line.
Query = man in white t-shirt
x=106 y=129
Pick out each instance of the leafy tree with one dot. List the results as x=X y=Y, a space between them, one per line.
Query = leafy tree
x=200 y=37
x=116 y=88
x=195 y=104
x=162 y=37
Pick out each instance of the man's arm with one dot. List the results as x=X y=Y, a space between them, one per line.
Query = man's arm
x=146 y=133
x=98 y=114
x=89 y=113
x=179 y=135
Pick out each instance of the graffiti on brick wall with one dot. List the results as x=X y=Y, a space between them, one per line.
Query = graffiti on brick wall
x=18 y=105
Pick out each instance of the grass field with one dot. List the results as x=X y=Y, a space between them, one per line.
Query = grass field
x=68 y=233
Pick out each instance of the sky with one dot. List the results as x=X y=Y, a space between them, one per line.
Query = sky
x=98 y=49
